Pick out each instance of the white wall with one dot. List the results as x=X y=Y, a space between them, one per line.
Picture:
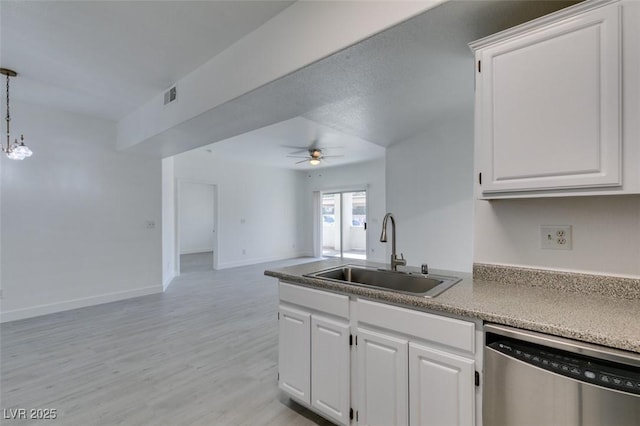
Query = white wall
x=168 y=222
x=257 y=207
x=429 y=192
x=74 y=217
x=196 y=217
x=606 y=233
x=353 y=176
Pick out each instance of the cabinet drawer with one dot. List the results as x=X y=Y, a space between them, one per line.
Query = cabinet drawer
x=446 y=331
x=324 y=301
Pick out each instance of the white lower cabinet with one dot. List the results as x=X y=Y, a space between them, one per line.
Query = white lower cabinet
x=414 y=368
x=409 y=367
x=441 y=386
x=383 y=387
x=330 y=372
x=294 y=361
x=314 y=354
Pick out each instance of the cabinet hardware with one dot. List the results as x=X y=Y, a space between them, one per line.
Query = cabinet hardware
x=278 y=315
x=356 y=416
x=480 y=178
x=351 y=340
x=477 y=379
x=350 y=413
x=479 y=66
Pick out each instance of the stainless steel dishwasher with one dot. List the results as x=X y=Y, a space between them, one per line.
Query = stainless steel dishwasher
x=536 y=379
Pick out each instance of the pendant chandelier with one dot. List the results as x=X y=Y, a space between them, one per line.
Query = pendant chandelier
x=15 y=151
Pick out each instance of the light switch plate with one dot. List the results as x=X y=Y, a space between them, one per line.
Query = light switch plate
x=555 y=237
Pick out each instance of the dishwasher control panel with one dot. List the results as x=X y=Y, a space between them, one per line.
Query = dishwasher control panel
x=590 y=370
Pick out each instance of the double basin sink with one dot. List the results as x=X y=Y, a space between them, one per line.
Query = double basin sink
x=412 y=283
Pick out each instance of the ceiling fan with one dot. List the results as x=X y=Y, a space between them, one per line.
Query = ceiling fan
x=314 y=157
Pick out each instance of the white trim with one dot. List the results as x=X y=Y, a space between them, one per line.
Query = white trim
x=538 y=23
x=317 y=224
x=196 y=251
x=67 y=305
x=335 y=189
x=257 y=260
x=166 y=284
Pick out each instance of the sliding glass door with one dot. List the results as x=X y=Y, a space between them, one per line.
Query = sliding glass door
x=344 y=224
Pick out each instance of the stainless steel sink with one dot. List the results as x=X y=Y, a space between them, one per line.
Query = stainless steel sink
x=404 y=282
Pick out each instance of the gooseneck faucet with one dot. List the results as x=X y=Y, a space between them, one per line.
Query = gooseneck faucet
x=395 y=261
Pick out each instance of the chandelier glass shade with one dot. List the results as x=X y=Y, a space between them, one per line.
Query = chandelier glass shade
x=16 y=150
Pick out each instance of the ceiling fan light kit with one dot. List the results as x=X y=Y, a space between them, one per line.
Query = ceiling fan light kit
x=15 y=151
x=314 y=158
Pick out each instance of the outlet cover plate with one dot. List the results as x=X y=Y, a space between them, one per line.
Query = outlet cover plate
x=555 y=237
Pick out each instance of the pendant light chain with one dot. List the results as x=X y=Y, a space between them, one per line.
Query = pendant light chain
x=17 y=151
x=8 y=116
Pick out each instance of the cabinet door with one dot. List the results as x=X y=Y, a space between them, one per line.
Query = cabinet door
x=549 y=106
x=330 y=372
x=382 y=379
x=294 y=353
x=441 y=388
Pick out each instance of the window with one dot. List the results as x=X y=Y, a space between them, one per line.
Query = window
x=344 y=219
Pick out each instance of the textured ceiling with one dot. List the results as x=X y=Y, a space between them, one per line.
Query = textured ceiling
x=385 y=89
x=106 y=58
x=272 y=145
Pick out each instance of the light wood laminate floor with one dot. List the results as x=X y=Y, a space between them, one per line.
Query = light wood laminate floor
x=196 y=262
x=202 y=353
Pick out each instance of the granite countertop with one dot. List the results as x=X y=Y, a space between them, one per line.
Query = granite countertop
x=608 y=319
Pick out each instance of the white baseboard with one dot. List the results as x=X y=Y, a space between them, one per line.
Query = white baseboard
x=36 y=311
x=195 y=251
x=166 y=284
x=256 y=260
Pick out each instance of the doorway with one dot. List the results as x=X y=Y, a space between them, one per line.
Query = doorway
x=344 y=224
x=196 y=231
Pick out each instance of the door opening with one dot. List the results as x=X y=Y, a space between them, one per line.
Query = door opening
x=344 y=224
x=196 y=226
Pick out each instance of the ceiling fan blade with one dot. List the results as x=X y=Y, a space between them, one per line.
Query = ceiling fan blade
x=322 y=148
x=294 y=147
x=302 y=151
x=297 y=156
x=332 y=156
x=303 y=161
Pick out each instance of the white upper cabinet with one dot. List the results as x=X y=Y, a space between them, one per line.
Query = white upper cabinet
x=549 y=105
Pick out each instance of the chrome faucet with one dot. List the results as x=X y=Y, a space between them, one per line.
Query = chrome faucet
x=395 y=261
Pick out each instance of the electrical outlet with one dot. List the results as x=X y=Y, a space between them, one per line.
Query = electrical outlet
x=555 y=237
x=151 y=224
